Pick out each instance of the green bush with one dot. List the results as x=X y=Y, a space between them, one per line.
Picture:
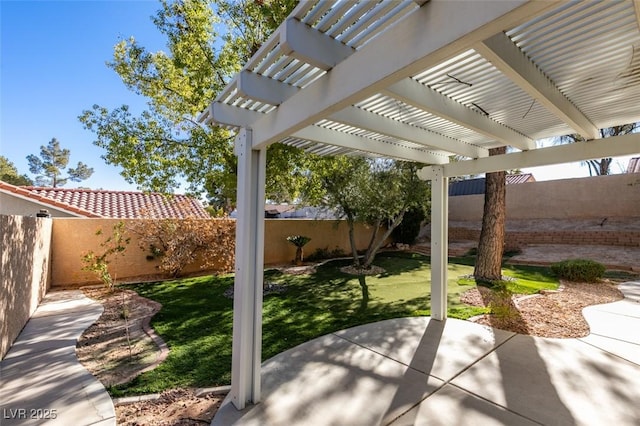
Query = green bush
x=578 y=270
x=325 y=253
x=409 y=228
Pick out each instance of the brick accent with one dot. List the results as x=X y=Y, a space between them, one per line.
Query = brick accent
x=516 y=239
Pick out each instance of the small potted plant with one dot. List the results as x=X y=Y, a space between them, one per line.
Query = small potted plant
x=299 y=241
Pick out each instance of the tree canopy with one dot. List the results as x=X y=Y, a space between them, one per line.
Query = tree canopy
x=207 y=43
x=49 y=166
x=9 y=173
x=602 y=166
x=376 y=192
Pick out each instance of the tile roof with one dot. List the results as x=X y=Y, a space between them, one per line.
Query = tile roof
x=476 y=186
x=113 y=204
x=634 y=165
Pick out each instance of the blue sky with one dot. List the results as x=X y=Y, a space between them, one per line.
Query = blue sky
x=52 y=67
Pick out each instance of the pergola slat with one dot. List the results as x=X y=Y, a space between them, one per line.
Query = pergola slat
x=506 y=56
x=348 y=84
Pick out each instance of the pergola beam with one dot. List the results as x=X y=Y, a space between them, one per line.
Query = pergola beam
x=264 y=89
x=580 y=151
x=417 y=43
x=386 y=149
x=511 y=61
x=386 y=126
x=311 y=46
x=422 y=97
x=220 y=113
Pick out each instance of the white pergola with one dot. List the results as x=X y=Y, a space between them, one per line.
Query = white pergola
x=422 y=81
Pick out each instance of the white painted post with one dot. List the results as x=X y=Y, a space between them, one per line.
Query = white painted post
x=439 y=242
x=249 y=266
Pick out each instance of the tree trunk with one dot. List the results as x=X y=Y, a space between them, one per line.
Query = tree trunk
x=298 y=259
x=491 y=244
x=373 y=249
x=352 y=241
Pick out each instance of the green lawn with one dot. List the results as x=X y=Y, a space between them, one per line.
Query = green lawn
x=196 y=318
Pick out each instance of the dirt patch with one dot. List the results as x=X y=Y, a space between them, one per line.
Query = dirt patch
x=104 y=351
x=555 y=314
x=175 y=407
x=116 y=348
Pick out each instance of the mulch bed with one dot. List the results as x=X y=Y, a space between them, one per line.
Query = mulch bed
x=555 y=314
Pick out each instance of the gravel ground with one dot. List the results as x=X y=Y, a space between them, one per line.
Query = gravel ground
x=555 y=314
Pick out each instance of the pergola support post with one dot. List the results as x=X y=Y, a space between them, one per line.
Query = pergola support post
x=249 y=266
x=439 y=242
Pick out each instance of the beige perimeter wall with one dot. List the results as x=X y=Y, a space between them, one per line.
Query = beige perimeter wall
x=72 y=238
x=592 y=197
x=24 y=276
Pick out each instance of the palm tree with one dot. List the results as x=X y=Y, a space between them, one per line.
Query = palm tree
x=299 y=241
x=601 y=166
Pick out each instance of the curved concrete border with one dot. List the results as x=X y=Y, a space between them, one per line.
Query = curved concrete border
x=42 y=380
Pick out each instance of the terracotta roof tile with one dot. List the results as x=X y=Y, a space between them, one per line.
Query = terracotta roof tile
x=114 y=204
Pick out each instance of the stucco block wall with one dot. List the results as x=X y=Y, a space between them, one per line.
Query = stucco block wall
x=591 y=197
x=324 y=234
x=72 y=238
x=24 y=277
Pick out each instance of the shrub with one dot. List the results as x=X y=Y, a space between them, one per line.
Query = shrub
x=409 y=228
x=179 y=243
x=114 y=245
x=325 y=253
x=511 y=250
x=579 y=270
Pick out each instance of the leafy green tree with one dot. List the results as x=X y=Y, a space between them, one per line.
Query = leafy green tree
x=602 y=166
x=376 y=192
x=9 y=173
x=207 y=43
x=51 y=164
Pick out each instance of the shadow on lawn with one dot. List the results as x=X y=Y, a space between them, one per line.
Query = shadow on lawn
x=196 y=319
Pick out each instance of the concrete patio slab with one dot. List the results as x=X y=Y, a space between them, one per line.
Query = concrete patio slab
x=625 y=307
x=440 y=349
x=454 y=406
x=42 y=380
x=616 y=325
x=418 y=371
x=631 y=290
x=310 y=381
x=557 y=381
x=625 y=350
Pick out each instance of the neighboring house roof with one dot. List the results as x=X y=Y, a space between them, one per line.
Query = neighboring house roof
x=112 y=204
x=634 y=165
x=275 y=210
x=476 y=186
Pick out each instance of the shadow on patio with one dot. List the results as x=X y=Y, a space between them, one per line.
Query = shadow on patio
x=420 y=371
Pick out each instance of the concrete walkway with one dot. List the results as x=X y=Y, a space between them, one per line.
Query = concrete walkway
x=418 y=371
x=42 y=380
